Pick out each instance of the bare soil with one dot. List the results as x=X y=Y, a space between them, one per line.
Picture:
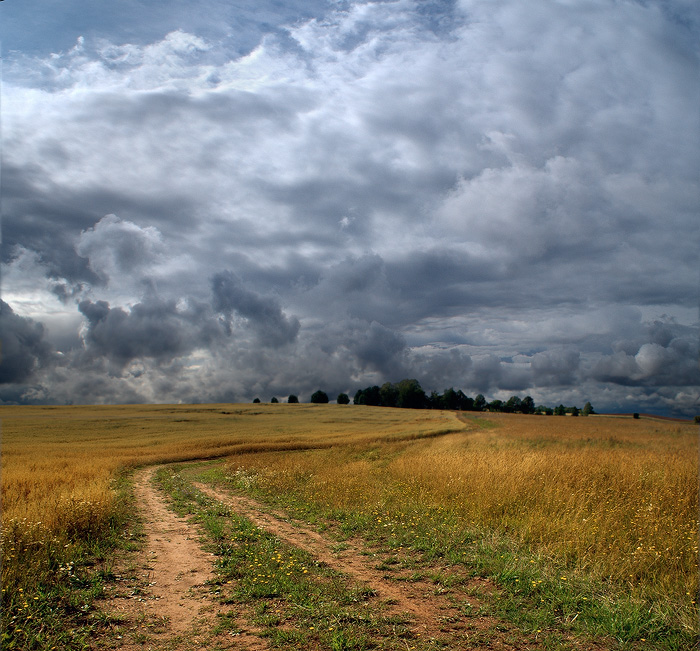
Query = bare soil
x=162 y=599
x=431 y=613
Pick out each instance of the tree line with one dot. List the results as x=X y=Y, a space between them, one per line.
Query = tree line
x=408 y=394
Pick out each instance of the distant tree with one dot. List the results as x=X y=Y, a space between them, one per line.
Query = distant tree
x=369 y=396
x=465 y=402
x=635 y=415
x=479 y=403
x=319 y=397
x=451 y=399
x=411 y=395
x=293 y=399
x=256 y=401
x=587 y=409
x=343 y=399
x=560 y=410
x=574 y=411
x=495 y=405
x=389 y=394
x=435 y=400
x=274 y=400
x=527 y=406
x=513 y=405
x=696 y=420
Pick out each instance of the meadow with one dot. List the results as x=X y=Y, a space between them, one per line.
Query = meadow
x=586 y=524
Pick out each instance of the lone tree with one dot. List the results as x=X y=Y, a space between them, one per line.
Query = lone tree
x=343 y=399
x=292 y=399
x=256 y=401
x=274 y=400
x=587 y=409
x=319 y=397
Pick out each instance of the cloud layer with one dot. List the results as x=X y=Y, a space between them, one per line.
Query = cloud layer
x=488 y=195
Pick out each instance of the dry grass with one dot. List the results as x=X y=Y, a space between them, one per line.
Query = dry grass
x=63 y=508
x=59 y=462
x=612 y=498
x=615 y=498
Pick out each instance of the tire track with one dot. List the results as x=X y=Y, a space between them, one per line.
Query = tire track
x=169 y=606
x=416 y=600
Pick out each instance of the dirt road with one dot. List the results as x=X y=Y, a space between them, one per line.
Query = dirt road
x=163 y=600
x=416 y=599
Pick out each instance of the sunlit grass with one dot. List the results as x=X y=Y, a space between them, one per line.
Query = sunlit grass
x=566 y=511
x=57 y=455
x=609 y=500
x=61 y=502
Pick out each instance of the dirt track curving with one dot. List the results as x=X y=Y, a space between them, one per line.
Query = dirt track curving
x=164 y=602
x=426 y=611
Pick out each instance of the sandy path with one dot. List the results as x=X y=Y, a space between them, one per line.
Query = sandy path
x=178 y=565
x=166 y=604
x=169 y=604
x=429 y=614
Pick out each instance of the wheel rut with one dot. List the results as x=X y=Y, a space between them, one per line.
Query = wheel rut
x=425 y=610
x=164 y=599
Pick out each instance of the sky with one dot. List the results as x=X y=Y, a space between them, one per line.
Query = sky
x=217 y=201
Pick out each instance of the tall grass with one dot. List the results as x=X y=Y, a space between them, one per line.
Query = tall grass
x=613 y=500
x=610 y=498
x=64 y=508
x=620 y=500
x=58 y=463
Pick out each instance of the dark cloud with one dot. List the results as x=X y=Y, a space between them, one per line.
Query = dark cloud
x=499 y=197
x=665 y=359
x=154 y=328
x=556 y=367
x=263 y=314
x=24 y=349
x=114 y=247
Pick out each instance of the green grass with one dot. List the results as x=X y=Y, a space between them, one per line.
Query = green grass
x=48 y=602
x=297 y=602
x=539 y=596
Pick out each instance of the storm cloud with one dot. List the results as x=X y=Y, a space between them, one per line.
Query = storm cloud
x=224 y=203
x=263 y=314
x=24 y=347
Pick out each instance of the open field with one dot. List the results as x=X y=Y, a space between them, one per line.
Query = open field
x=587 y=527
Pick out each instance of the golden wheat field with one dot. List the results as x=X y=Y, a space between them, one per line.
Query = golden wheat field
x=55 y=459
x=611 y=497
x=617 y=497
